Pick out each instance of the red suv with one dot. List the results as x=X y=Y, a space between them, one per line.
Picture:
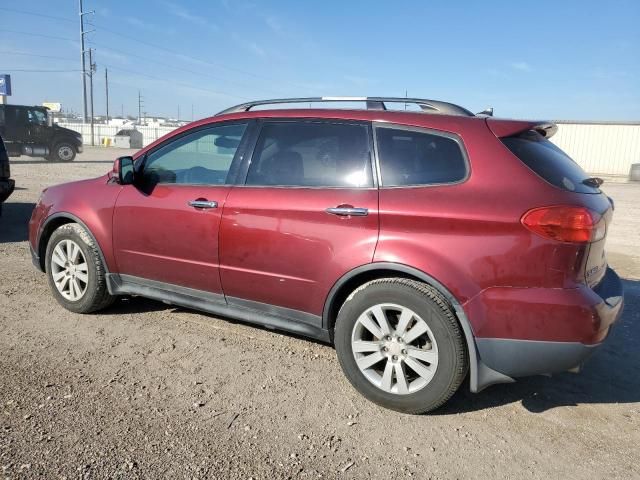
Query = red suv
x=425 y=245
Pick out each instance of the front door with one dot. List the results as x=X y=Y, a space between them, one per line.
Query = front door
x=165 y=227
x=307 y=214
x=37 y=126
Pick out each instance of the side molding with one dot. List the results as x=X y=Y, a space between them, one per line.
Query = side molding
x=268 y=316
x=480 y=375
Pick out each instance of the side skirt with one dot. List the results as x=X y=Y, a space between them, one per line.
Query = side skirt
x=269 y=316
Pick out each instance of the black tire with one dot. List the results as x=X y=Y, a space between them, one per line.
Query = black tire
x=96 y=295
x=433 y=308
x=63 y=152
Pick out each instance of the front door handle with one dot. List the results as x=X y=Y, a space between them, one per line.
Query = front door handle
x=203 y=204
x=348 y=211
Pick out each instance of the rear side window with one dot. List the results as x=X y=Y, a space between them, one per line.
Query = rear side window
x=409 y=157
x=311 y=154
x=549 y=162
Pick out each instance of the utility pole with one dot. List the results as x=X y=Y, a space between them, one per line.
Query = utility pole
x=106 y=88
x=140 y=103
x=84 y=70
x=192 y=112
x=92 y=69
x=178 y=112
x=83 y=32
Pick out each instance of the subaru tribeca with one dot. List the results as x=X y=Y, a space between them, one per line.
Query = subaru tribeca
x=426 y=245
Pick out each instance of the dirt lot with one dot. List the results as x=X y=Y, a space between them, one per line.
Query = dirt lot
x=145 y=390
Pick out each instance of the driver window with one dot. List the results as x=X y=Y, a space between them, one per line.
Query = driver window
x=37 y=117
x=199 y=158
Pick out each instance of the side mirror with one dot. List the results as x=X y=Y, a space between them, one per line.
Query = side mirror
x=123 y=170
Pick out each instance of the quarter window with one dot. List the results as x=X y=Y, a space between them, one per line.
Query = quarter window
x=200 y=158
x=409 y=157
x=312 y=154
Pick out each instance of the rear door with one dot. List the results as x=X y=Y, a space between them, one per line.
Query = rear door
x=307 y=214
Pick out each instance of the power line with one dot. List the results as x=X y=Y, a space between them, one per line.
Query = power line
x=26 y=54
x=38 y=71
x=153 y=77
x=35 y=14
x=193 y=72
x=136 y=56
x=4 y=30
x=143 y=42
x=191 y=57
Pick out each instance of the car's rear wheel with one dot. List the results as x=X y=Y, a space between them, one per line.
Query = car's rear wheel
x=63 y=152
x=400 y=345
x=75 y=270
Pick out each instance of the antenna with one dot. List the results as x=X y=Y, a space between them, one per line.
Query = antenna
x=487 y=111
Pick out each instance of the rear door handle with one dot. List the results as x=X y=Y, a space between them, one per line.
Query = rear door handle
x=203 y=204
x=348 y=211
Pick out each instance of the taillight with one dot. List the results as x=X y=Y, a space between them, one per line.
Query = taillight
x=566 y=224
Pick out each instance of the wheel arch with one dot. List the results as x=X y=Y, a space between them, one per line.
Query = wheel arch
x=54 y=222
x=480 y=375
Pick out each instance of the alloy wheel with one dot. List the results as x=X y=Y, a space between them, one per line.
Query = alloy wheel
x=394 y=348
x=69 y=270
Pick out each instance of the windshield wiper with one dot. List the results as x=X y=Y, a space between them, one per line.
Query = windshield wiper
x=594 y=182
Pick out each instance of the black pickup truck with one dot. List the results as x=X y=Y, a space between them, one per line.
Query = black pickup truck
x=29 y=130
x=6 y=184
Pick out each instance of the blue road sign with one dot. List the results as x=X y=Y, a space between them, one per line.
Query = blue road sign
x=5 y=85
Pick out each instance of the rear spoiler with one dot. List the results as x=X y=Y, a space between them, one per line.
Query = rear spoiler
x=509 y=128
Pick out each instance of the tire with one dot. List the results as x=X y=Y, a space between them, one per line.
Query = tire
x=89 y=293
x=439 y=353
x=63 y=152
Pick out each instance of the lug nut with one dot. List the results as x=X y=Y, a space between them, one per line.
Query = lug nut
x=395 y=357
x=385 y=349
x=404 y=352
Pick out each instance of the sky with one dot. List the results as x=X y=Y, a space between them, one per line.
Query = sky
x=559 y=60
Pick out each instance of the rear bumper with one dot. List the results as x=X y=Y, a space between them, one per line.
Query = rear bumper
x=7 y=186
x=517 y=357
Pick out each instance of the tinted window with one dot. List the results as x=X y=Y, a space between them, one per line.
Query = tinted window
x=37 y=117
x=311 y=154
x=549 y=162
x=418 y=158
x=201 y=158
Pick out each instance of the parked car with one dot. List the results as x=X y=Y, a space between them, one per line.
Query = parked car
x=29 y=130
x=7 y=185
x=427 y=246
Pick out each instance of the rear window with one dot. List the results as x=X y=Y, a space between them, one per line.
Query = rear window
x=311 y=154
x=549 y=162
x=409 y=157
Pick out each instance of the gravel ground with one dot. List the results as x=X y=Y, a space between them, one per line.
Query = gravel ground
x=144 y=390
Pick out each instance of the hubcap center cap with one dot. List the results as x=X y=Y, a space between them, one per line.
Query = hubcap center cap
x=394 y=347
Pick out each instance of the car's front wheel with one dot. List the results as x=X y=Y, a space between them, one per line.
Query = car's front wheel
x=75 y=270
x=63 y=152
x=400 y=345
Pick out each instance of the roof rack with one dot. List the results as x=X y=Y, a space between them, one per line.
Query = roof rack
x=373 y=103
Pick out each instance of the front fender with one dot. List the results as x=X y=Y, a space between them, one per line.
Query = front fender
x=89 y=203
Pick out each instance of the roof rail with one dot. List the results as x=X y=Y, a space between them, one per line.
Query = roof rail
x=373 y=103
